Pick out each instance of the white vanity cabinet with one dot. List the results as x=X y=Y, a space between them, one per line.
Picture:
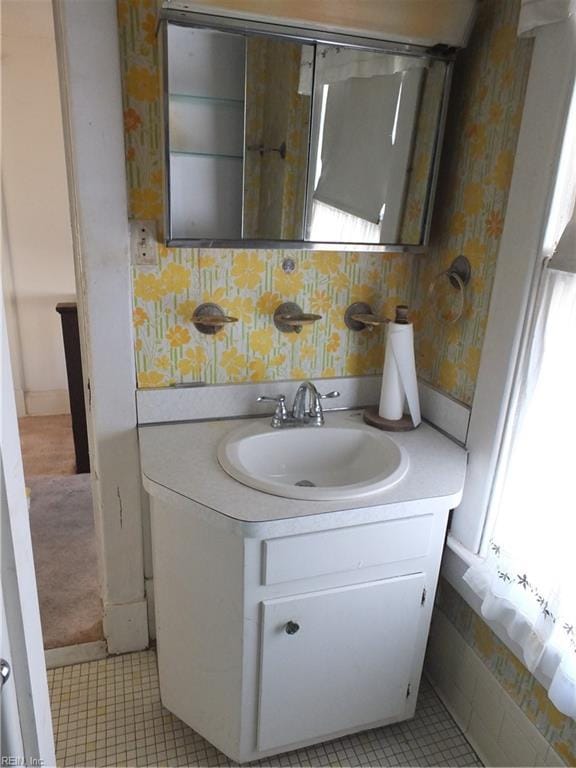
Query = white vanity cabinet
x=286 y=633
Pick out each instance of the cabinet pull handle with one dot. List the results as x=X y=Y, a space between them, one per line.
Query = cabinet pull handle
x=292 y=627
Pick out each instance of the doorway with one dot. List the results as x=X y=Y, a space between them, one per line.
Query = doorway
x=38 y=275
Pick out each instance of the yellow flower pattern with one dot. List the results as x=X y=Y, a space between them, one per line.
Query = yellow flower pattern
x=139 y=316
x=146 y=203
x=177 y=336
x=477 y=162
x=288 y=284
x=234 y=364
x=167 y=342
x=174 y=278
x=148 y=288
x=481 y=135
x=192 y=362
x=151 y=379
x=326 y=262
x=257 y=369
x=241 y=307
x=247 y=269
x=142 y=84
x=261 y=341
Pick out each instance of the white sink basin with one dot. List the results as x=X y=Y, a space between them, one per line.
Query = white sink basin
x=315 y=463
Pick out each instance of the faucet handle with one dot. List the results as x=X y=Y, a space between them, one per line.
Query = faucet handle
x=329 y=395
x=281 y=413
x=272 y=399
x=316 y=412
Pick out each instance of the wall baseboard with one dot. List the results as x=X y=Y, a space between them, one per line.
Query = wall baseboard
x=50 y=402
x=149 y=586
x=126 y=626
x=20 y=403
x=490 y=719
x=75 y=654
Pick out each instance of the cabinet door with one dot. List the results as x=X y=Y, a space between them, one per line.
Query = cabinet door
x=337 y=659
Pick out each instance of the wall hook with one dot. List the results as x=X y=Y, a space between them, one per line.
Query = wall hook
x=210 y=318
x=289 y=318
x=458 y=275
x=359 y=317
x=262 y=149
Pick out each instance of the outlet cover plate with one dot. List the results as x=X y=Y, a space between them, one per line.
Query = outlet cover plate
x=143 y=242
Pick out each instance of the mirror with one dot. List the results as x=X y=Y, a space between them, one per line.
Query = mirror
x=276 y=139
x=372 y=145
x=281 y=142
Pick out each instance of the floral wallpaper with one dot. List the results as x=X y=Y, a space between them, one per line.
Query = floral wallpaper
x=520 y=684
x=483 y=121
x=484 y=118
x=250 y=285
x=247 y=284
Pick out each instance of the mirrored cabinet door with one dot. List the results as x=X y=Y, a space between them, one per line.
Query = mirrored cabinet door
x=375 y=125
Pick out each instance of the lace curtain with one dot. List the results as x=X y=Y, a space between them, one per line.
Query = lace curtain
x=527 y=581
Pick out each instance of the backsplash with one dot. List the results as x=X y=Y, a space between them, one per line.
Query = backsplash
x=558 y=729
x=250 y=285
x=482 y=130
x=485 y=113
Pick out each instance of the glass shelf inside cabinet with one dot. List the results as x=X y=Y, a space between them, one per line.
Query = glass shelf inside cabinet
x=177 y=152
x=206 y=126
x=238 y=103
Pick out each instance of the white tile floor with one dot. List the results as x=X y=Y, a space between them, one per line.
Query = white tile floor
x=108 y=713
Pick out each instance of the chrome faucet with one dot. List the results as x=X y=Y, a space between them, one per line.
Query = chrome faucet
x=280 y=417
x=306 y=410
x=312 y=415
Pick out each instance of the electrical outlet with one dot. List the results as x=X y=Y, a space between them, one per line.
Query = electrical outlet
x=143 y=242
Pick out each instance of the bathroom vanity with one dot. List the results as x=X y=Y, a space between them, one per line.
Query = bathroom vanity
x=285 y=622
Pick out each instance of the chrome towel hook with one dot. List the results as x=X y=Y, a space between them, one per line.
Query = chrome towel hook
x=458 y=275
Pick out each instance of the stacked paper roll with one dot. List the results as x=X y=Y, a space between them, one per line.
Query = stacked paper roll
x=399 y=383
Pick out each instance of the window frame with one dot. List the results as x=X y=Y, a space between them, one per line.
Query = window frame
x=547 y=101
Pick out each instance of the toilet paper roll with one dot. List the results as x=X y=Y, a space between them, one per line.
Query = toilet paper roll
x=399 y=383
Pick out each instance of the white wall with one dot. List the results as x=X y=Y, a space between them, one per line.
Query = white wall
x=37 y=254
x=89 y=67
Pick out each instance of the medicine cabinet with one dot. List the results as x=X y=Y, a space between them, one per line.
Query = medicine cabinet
x=298 y=139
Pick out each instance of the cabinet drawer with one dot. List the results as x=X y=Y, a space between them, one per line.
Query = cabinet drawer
x=345 y=549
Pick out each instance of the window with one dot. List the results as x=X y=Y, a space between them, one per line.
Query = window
x=526 y=581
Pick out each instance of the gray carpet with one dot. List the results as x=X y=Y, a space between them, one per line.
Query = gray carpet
x=64 y=543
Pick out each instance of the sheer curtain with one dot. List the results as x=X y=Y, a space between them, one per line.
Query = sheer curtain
x=332 y=225
x=527 y=581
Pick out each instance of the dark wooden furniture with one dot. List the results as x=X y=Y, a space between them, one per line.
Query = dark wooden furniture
x=69 y=315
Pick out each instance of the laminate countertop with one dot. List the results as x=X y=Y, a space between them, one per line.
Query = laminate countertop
x=179 y=461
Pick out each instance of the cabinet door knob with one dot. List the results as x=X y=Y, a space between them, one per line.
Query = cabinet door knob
x=292 y=627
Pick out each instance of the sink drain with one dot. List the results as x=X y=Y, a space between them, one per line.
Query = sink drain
x=306 y=484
